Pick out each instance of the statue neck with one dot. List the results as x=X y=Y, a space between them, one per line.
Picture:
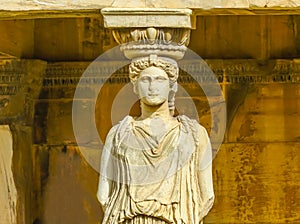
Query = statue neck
x=161 y=111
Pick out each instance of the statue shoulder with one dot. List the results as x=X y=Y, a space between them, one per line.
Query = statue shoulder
x=117 y=130
x=191 y=123
x=193 y=126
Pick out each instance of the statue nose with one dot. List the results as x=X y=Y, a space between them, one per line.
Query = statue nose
x=151 y=86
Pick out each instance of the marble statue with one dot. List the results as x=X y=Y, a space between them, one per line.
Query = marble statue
x=154 y=167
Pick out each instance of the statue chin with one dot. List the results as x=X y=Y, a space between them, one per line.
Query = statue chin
x=153 y=100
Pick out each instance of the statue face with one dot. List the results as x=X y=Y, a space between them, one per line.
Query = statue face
x=153 y=86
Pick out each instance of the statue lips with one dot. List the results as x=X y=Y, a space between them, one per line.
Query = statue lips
x=154 y=99
x=152 y=95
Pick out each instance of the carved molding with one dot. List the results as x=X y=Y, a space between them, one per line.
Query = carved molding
x=20 y=83
x=150 y=31
x=226 y=71
x=152 y=35
x=141 y=42
x=10 y=84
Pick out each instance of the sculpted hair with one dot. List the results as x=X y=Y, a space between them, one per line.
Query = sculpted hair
x=168 y=65
x=140 y=64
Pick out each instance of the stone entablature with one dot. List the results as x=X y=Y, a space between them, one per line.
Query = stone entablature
x=66 y=74
x=17 y=5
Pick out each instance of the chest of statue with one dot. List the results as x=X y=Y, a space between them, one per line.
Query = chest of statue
x=150 y=165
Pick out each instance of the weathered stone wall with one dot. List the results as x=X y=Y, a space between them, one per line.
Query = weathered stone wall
x=257 y=169
x=256 y=172
x=20 y=84
x=83 y=39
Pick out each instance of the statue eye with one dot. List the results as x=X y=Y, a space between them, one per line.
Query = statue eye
x=144 y=79
x=161 y=78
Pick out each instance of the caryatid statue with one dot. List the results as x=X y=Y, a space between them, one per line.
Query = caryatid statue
x=155 y=168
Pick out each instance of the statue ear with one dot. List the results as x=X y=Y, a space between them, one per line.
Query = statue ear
x=135 y=88
x=174 y=87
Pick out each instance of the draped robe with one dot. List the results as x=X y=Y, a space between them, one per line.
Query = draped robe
x=150 y=180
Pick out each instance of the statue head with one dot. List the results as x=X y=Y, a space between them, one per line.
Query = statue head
x=162 y=71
